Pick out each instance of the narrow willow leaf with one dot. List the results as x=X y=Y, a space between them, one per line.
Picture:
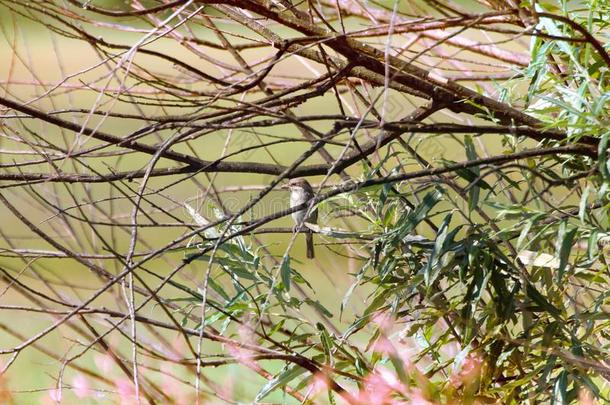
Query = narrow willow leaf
x=600 y=103
x=232 y=267
x=583 y=204
x=320 y=307
x=331 y=398
x=209 y=233
x=474 y=191
x=411 y=219
x=399 y=366
x=459 y=358
x=285 y=272
x=280 y=380
x=361 y=322
x=588 y=382
x=548 y=368
x=337 y=233
x=348 y=294
x=524 y=232
x=592 y=248
x=218 y=288
x=565 y=241
x=387 y=267
x=602 y=152
x=541 y=301
x=561 y=388
x=432 y=269
x=305 y=382
x=564 y=106
x=377 y=302
x=238 y=252
x=481 y=284
x=383 y=197
x=326 y=341
x=277 y=327
x=356 y=326
x=470 y=176
x=538 y=65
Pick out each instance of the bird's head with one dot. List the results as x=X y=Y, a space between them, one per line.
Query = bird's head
x=299 y=184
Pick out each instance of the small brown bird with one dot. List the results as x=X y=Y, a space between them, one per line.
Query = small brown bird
x=301 y=192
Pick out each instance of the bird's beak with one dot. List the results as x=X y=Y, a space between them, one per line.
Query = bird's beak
x=285 y=186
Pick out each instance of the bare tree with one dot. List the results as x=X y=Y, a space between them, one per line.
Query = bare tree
x=459 y=156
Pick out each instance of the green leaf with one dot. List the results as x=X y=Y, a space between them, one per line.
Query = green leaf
x=588 y=382
x=387 y=266
x=565 y=241
x=524 y=232
x=383 y=197
x=602 y=152
x=583 y=204
x=459 y=358
x=285 y=272
x=234 y=267
x=399 y=366
x=410 y=219
x=592 y=248
x=538 y=66
x=359 y=323
x=561 y=388
x=210 y=233
x=432 y=269
x=319 y=306
x=549 y=366
x=280 y=380
x=349 y=293
x=470 y=176
x=277 y=327
x=480 y=281
x=218 y=288
x=237 y=251
x=541 y=301
x=326 y=341
x=474 y=189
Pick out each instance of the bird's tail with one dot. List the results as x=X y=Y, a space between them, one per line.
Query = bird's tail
x=309 y=239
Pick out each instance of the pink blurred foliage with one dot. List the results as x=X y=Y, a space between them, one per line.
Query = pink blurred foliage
x=81 y=387
x=384 y=321
x=384 y=346
x=417 y=398
x=469 y=372
x=5 y=393
x=585 y=397
x=246 y=336
x=450 y=350
x=126 y=391
x=240 y=354
x=383 y=387
x=178 y=392
x=227 y=389
x=178 y=346
x=52 y=397
x=103 y=362
x=391 y=343
x=319 y=384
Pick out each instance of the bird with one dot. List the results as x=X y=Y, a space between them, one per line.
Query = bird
x=301 y=192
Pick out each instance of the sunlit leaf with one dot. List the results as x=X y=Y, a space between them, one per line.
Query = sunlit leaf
x=565 y=241
x=280 y=380
x=285 y=271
